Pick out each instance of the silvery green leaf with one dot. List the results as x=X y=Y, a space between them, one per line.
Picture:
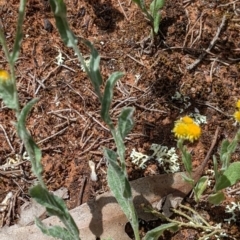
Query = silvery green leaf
x=125 y=121
x=108 y=95
x=8 y=94
x=19 y=33
x=158 y=231
x=55 y=206
x=200 y=187
x=60 y=15
x=55 y=231
x=187 y=160
x=156 y=22
x=94 y=70
x=187 y=179
x=120 y=186
x=229 y=177
x=216 y=198
x=156 y=5
x=33 y=150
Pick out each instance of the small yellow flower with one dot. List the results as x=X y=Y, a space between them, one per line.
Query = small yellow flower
x=237 y=116
x=186 y=128
x=238 y=104
x=4 y=75
x=187 y=120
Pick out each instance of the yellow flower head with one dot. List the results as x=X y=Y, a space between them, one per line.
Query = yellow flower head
x=4 y=75
x=238 y=104
x=237 y=116
x=186 y=128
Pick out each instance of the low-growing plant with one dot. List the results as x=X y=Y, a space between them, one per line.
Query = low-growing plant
x=189 y=219
x=187 y=129
x=229 y=173
x=153 y=14
x=8 y=93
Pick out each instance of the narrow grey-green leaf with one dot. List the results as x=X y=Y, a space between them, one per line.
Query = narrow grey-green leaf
x=187 y=160
x=155 y=233
x=121 y=189
x=224 y=147
x=19 y=35
x=94 y=70
x=215 y=167
x=55 y=231
x=142 y=6
x=232 y=146
x=229 y=177
x=125 y=121
x=32 y=149
x=117 y=179
x=108 y=95
x=216 y=198
x=156 y=5
x=60 y=15
x=200 y=187
x=156 y=22
x=8 y=93
x=54 y=206
x=187 y=178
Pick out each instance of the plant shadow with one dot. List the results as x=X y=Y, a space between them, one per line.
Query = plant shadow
x=106 y=16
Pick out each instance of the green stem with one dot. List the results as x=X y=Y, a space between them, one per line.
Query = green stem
x=194 y=212
x=192 y=223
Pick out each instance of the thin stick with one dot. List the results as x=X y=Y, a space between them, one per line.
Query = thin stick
x=68 y=109
x=125 y=15
x=9 y=172
x=208 y=105
x=49 y=74
x=134 y=59
x=86 y=141
x=88 y=149
x=94 y=119
x=6 y=136
x=149 y=109
x=212 y=43
x=79 y=202
x=202 y=166
x=54 y=135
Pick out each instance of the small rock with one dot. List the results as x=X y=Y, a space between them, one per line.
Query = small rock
x=48 y=25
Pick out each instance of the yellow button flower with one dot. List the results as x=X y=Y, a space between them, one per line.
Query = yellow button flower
x=237 y=116
x=4 y=75
x=238 y=104
x=186 y=128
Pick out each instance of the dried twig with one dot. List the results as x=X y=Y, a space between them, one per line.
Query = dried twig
x=79 y=202
x=88 y=149
x=208 y=104
x=95 y=120
x=54 y=135
x=149 y=109
x=6 y=136
x=212 y=43
x=125 y=15
x=42 y=82
x=134 y=59
x=10 y=172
